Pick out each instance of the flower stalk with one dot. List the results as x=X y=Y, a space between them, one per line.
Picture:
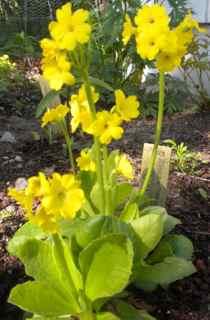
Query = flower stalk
x=99 y=159
x=159 y=125
x=68 y=144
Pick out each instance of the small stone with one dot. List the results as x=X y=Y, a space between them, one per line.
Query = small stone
x=10 y=209
x=18 y=159
x=8 y=137
x=19 y=166
x=20 y=183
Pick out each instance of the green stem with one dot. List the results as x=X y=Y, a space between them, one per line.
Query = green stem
x=97 y=142
x=63 y=264
x=68 y=144
x=88 y=315
x=149 y=173
x=106 y=181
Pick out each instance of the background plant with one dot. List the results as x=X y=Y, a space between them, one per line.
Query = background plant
x=183 y=159
x=196 y=70
x=13 y=82
x=177 y=95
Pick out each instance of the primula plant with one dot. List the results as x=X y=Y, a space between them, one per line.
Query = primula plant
x=90 y=233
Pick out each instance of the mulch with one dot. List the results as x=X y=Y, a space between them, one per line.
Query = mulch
x=184 y=300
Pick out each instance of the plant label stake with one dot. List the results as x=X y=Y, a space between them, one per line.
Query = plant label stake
x=45 y=89
x=157 y=189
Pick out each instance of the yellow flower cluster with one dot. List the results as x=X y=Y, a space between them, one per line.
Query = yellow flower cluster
x=6 y=64
x=85 y=161
x=69 y=30
x=80 y=109
x=106 y=125
x=55 y=114
x=124 y=166
x=155 y=40
x=47 y=200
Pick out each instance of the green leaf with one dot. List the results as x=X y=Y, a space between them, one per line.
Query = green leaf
x=87 y=179
x=36 y=317
x=117 y=251
x=46 y=102
x=170 y=223
x=164 y=273
x=111 y=163
x=182 y=246
x=26 y=232
x=100 y=83
x=89 y=230
x=149 y=229
x=97 y=197
x=153 y=209
x=99 y=226
x=106 y=316
x=120 y=194
x=128 y=312
x=39 y=298
x=130 y=212
x=52 y=267
x=69 y=227
x=162 y=251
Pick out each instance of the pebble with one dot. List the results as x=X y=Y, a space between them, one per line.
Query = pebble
x=18 y=159
x=20 y=183
x=8 y=137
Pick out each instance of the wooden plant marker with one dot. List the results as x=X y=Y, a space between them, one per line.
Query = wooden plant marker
x=158 y=187
x=45 y=89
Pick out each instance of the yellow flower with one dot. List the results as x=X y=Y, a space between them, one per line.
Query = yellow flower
x=167 y=61
x=37 y=185
x=46 y=201
x=26 y=201
x=185 y=30
x=128 y=30
x=85 y=162
x=106 y=127
x=55 y=114
x=57 y=72
x=50 y=50
x=149 y=43
x=64 y=197
x=71 y=28
x=127 y=108
x=46 y=220
x=80 y=110
x=124 y=166
x=152 y=16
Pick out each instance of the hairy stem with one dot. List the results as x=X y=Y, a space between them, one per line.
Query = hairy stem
x=150 y=169
x=99 y=160
x=68 y=144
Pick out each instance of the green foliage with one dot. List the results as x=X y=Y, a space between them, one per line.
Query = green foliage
x=179 y=10
x=62 y=288
x=177 y=95
x=12 y=84
x=127 y=312
x=196 y=71
x=46 y=102
x=21 y=45
x=8 y=74
x=183 y=160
